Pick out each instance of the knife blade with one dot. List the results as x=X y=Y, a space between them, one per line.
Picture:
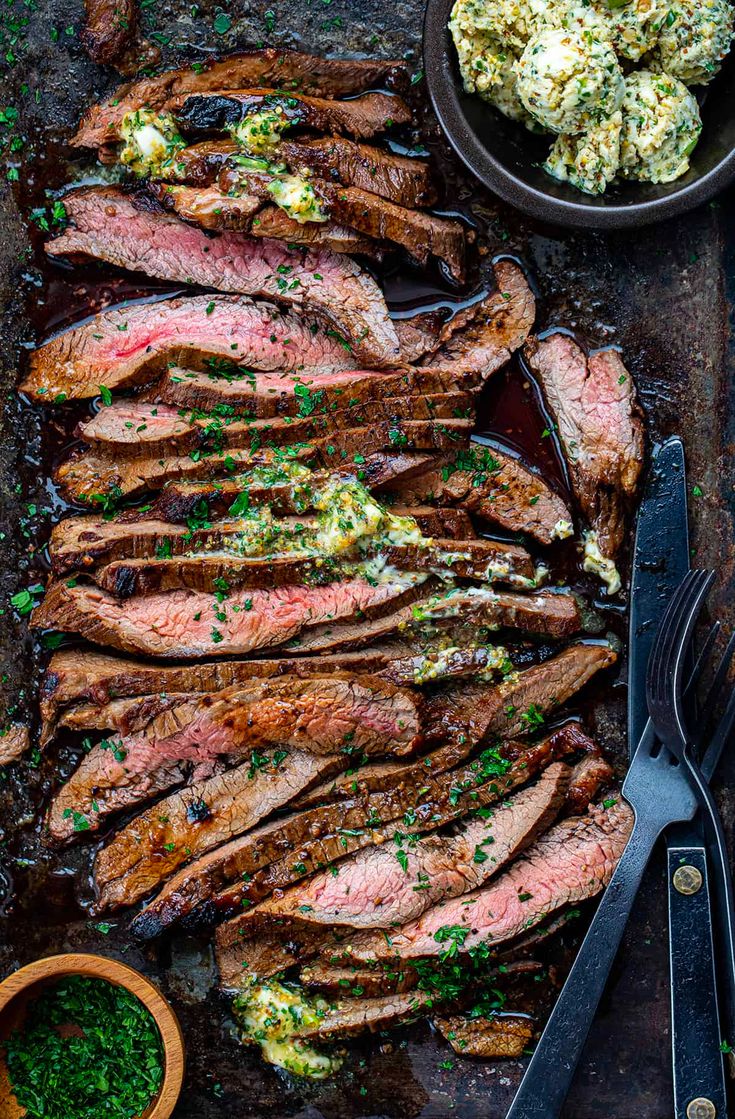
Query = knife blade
x=660 y=561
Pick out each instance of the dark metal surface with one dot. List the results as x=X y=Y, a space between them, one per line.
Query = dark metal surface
x=660 y=562
x=662 y=294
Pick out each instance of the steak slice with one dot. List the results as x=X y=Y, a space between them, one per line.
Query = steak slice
x=139 y=427
x=285 y=69
x=439 y=800
x=423 y=235
x=188 y=624
x=274 y=857
x=14 y=741
x=353 y=1016
x=129 y=345
x=200 y=164
x=360 y=117
x=105 y=224
x=589 y=775
x=299 y=393
x=403 y=180
x=521 y=701
x=594 y=404
x=483 y=338
x=109 y=683
x=491 y=483
x=322 y=715
x=389 y=885
x=109 y=29
x=573 y=861
x=95 y=472
x=194 y=820
x=548 y=612
x=210 y=209
x=506 y=1038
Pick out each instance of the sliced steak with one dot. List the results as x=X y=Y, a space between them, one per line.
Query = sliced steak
x=287 y=70
x=522 y=701
x=189 y=624
x=297 y=393
x=437 y=801
x=110 y=683
x=141 y=427
x=403 y=180
x=589 y=775
x=354 y=1016
x=249 y=869
x=573 y=861
x=98 y=472
x=505 y=1038
x=109 y=29
x=491 y=483
x=483 y=560
x=195 y=820
x=209 y=208
x=105 y=224
x=200 y=164
x=594 y=404
x=354 y=982
x=389 y=885
x=548 y=612
x=484 y=338
x=360 y=117
x=15 y=739
x=322 y=715
x=129 y=345
x=423 y=235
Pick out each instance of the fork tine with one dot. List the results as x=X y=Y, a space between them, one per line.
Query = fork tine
x=702 y=657
x=722 y=733
x=720 y=676
x=667 y=635
x=686 y=622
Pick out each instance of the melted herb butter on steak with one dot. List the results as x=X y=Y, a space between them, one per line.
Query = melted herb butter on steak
x=269 y=1015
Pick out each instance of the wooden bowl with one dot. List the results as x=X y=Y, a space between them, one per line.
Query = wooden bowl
x=24 y=985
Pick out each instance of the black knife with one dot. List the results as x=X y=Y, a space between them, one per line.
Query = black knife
x=660 y=561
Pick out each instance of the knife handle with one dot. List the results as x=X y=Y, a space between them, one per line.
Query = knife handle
x=695 y=1023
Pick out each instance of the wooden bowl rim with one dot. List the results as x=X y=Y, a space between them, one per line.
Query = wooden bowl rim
x=50 y=968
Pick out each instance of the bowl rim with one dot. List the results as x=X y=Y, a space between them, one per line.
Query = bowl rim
x=444 y=95
x=51 y=968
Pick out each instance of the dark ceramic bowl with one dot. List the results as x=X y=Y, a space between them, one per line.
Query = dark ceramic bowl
x=507 y=158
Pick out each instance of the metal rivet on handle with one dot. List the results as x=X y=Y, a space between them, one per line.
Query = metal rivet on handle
x=688 y=880
x=701 y=1108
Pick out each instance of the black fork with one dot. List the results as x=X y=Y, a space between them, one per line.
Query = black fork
x=658 y=789
x=665 y=687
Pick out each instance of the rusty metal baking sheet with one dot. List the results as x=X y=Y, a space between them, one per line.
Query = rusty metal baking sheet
x=663 y=294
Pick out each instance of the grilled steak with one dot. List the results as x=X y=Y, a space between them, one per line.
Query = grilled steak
x=322 y=715
x=354 y=982
x=483 y=338
x=588 y=777
x=360 y=117
x=594 y=404
x=506 y=1037
x=377 y=888
x=100 y=472
x=197 y=819
x=109 y=29
x=573 y=861
x=14 y=741
x=288 y=70
x=467 y=559
x=127 y=346
x=437 y=801
x=190 y=624
x=109 y=682
x=491 y=483
x=523 y=700
x=141 y=427
x=422 y=235
x=210 y=209
x=297 y=393
x=272 y=858
x=200 y=164
x=105 y=224
x=542 y=612
x=354 y=1016
x=405 y=181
